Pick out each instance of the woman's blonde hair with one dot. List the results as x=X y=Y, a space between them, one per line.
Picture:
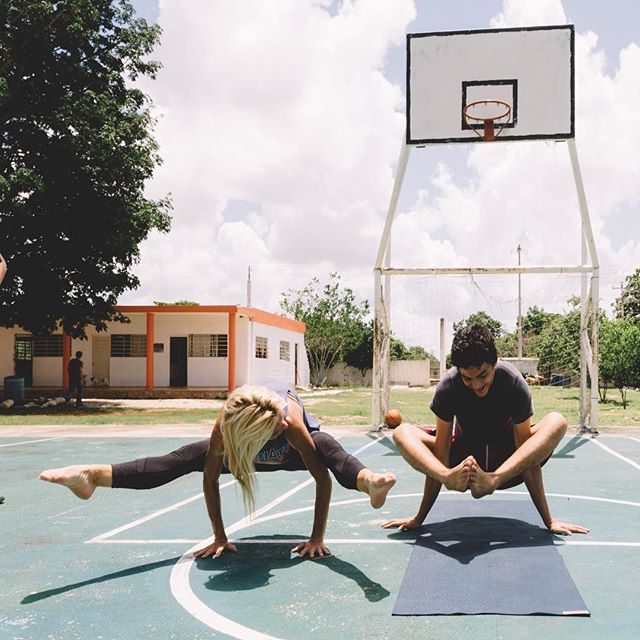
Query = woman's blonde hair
x=248 y=419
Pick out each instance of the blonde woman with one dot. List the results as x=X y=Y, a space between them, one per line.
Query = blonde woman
x=258 y=429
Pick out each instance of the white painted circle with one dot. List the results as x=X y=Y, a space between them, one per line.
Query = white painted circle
x=181 y=587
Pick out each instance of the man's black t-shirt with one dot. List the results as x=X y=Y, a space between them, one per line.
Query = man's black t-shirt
x=73 y=369
x=486 y=420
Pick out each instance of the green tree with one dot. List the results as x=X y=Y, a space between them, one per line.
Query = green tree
x=481 y=317
x=628 y=304
x=507 y=345
x=558 y=345
x=177 y=303
x=334 y=321
x=76 y=150
x=619 y=342
x=359 y=353
x=536 y=319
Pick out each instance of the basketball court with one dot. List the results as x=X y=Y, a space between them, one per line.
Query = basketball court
x=121 y=566
x=118 y=565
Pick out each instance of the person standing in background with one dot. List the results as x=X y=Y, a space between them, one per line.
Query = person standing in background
x=75 y=379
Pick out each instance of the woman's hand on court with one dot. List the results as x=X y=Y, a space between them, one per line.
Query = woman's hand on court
x=402 y=524
x=216 y=549
x=313 y=548
x=565 y=529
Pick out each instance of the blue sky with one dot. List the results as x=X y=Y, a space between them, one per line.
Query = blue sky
x=280 y=126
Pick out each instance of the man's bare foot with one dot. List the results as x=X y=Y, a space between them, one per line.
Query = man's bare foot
x=377 y=485
x=77 y=478
x=481 y=483
x=458 y=478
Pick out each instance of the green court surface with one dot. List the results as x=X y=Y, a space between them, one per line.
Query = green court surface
x=118 y=566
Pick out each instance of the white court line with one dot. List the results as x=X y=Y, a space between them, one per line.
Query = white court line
x=15 y=444
x=332 y=541
x=244 y=522
x=102 y=537
x=615 y=453
x=182 y=592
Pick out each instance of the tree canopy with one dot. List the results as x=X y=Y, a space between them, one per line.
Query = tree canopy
x=620 y=354
x=335 y=321
x=627 y=305
x=481 y=317
x=76 y=150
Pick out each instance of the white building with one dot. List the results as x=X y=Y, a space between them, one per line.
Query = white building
x=170 y=346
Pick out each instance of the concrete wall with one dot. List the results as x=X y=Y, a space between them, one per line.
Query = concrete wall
x=343 y=375
x=405 y=372
x=201 y=372
x=272 y=367
x=410 y=372
x=527 y=366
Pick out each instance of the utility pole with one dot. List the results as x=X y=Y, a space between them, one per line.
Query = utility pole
x=249 y=288
x=519 y=307
x=621 y=287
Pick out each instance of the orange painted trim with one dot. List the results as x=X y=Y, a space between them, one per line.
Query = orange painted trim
x=258 y=315
x=150 y=338
x=273 y=319
x=151 y=308
x=231 y=360
x=66 y=358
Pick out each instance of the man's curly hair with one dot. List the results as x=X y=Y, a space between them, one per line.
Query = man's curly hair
x=472 y=345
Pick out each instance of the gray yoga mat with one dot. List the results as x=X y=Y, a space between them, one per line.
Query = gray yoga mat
x=486 y=557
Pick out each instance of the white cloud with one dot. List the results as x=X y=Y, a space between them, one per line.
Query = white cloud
x=286 y=105
x=282 y=104
x=525 y=194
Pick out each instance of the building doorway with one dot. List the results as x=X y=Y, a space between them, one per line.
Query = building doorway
x=178 y=362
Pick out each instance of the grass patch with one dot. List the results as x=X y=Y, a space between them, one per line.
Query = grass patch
x=348 y=406
x=353 y=406
x=96 y=416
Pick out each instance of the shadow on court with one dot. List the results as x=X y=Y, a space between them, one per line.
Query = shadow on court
x=466 y=538
x=125 y=573
x=575 y=443
x=258 y=562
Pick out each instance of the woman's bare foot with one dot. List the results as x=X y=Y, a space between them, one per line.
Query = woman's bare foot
x=458 y=478
x=481 y=483
x=77 y=478
x=376 y=485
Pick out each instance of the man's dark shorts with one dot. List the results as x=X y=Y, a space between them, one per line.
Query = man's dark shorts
x=488 y=456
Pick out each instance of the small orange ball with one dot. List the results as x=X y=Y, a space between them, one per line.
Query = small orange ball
x=392 y=419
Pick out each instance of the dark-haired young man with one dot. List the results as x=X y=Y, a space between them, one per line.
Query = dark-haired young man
x=494 y=445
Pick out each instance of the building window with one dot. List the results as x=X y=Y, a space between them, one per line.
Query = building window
x=128 y=346
x=261 y=347
x=47 y=346
x=203 y=345
x=285 y=350
x=158 y=347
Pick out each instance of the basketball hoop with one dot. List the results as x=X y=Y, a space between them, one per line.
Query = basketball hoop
x=487 y=112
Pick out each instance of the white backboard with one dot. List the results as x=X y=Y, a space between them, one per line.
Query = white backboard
x=531 y=68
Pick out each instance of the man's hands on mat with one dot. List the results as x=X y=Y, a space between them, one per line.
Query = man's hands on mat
x=402 y=524
x=565 y=529
x=314 y=548
x=216 y=549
